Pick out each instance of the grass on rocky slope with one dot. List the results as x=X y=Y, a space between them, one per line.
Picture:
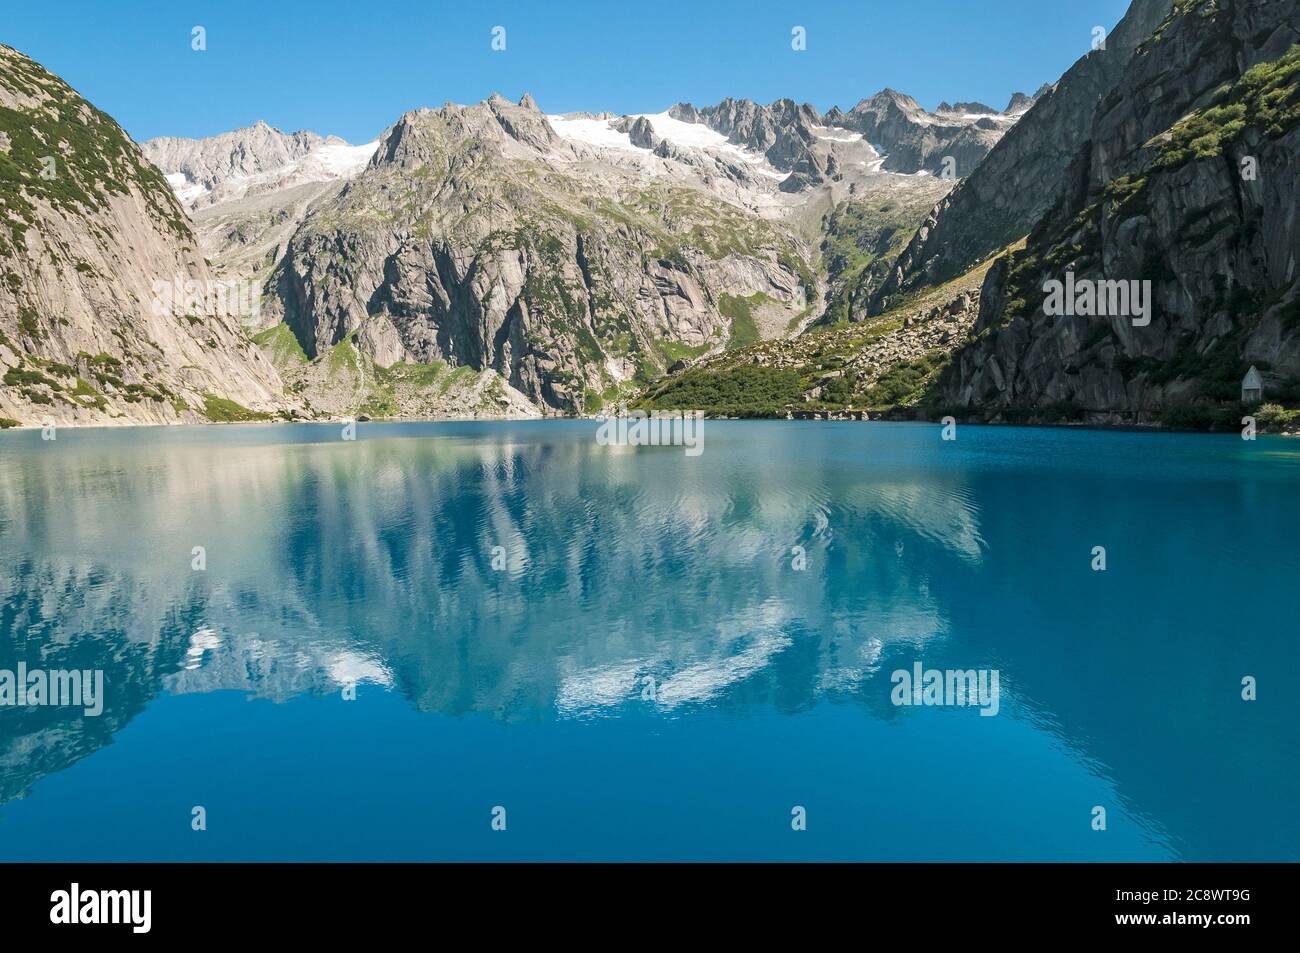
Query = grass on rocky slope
x=861 y=240
x=740 y=311
x=223 y=410
x=675 y=351
x=67 y=153
x=1266 y=97
x=281 y=345
x=769 y=378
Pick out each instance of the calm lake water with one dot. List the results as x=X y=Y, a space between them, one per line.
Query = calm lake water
x=640 y=671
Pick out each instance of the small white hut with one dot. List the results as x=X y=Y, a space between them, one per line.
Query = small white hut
x=1252 y=386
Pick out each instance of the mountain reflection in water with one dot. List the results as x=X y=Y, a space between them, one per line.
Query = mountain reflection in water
x=374 y=564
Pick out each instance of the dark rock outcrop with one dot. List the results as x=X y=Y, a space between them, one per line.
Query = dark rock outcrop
x=1189 y=180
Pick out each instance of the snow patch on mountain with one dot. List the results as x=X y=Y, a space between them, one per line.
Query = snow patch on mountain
x=593 y=132
x=252 y=161
x=339 y=158
x=603 y=133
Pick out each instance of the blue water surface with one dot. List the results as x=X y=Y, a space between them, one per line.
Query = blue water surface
x=395 y=635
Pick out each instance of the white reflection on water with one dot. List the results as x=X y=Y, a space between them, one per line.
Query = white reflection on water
x=340 y=556
x=369 y=562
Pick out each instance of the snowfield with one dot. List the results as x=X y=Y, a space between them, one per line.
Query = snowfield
x=341 y=159
x=684 y=135
x=335 y=159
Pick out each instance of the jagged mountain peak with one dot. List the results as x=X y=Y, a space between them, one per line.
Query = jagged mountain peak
x=955 y=138
x=258 y=130
x=422 y=134
x=976 y=108
x=251 y=160
x=1019 y=102
x=888 y=96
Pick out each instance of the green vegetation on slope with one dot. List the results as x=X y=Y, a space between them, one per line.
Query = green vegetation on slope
x=742 y=391
x=740 y=311
x=675 y=351
x=907 y=381
x=825 y=370
x=861 y=239
x=67 y=153
x=223 y=410
x=88 y=395
x=281 y=345
x=1266 y=97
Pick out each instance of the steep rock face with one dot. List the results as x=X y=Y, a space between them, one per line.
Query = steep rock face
x=641 y=133
x=467 y=241
x=1191 y=181
x=1022 y=176
x=106 y=310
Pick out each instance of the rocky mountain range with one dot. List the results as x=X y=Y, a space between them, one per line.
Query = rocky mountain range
x=557 y=259
x=253 y=161
x=511 y=248
x=482 y=259
x=1157 y=181
x=495 y=259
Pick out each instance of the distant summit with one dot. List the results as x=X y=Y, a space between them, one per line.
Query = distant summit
x=1020 y=102
x=978 y=108
x=253 y=160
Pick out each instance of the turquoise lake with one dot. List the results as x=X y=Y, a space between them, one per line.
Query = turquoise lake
x=390 y=637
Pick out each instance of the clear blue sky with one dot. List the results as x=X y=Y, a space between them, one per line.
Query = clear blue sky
x=350 y=67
